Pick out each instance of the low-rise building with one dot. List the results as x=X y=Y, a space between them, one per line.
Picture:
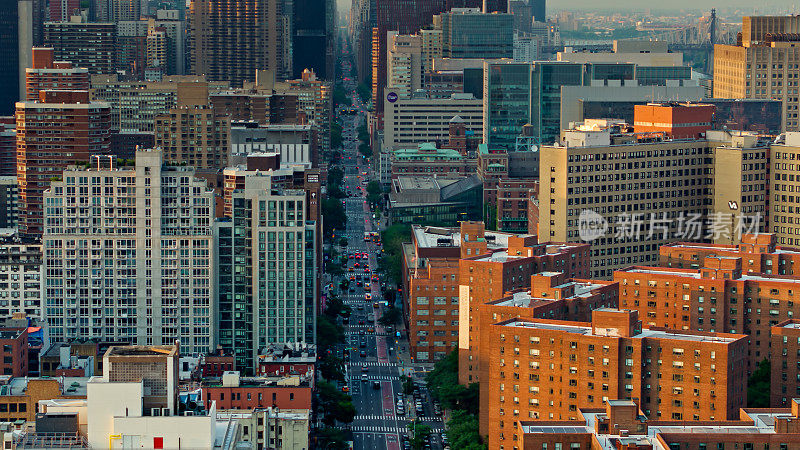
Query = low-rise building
x=271 y=427
x=235 y=392
x=426 y=159
x=435 y=200
x=287 y=359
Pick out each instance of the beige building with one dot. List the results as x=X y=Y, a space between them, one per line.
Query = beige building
x=764 y=66
x=785 y=190
x=404 y=64
x=641 y=53
x=231 y=40
x=431 y=47
x=629 y=194
x=412 y=121
x=194 y=132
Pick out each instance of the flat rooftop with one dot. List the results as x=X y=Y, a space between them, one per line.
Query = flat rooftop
x=142 y=350
x=646 y=333
x=526 y=299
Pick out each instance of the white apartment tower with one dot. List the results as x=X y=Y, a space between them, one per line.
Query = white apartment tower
x=130 y=255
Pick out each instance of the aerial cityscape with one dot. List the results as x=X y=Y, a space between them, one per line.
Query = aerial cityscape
x=399 y=224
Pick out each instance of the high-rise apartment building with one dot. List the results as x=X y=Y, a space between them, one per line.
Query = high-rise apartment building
x=720 y=296
x=470 y=33
x=404 y=64
x=267 y=266
x=315 y=100
x=130 y=255
x=75 y=129
x=763 y=65
x=784 y=209
x=126 y=10
x=711 y=188
x=486 y=275
x=9 y=201
x=89 y=45
x=48 y=73
x=8 y=146
x=136 y=104
x=548 y=369
x=194 y=133
x=231 y=40
x=62 y=10
x=21 y=274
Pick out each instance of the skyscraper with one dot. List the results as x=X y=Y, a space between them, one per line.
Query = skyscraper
x=75 y=128
x=267 y=267
x=408 y=17
x=132 y=252
x=234 y=38
x=16 y=39
x=313 y=37
x=763 y=65
x=89 y=45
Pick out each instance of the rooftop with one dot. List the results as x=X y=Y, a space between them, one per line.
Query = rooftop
x=588 y=331
x=142 y=350
x=427 y=236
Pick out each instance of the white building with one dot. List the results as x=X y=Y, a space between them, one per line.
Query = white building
x=20 y=276
x=286 y=429
x=130 y=255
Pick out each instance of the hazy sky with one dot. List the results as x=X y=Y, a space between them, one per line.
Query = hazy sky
x=745 y=5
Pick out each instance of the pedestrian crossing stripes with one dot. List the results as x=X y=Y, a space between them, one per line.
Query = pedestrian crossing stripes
x=399 y=430
x=373 y=364
x=399 y=418
x=376 y=377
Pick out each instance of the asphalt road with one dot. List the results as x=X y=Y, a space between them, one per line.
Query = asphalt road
x=377 y=424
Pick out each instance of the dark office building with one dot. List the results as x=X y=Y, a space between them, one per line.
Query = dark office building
x=9 y=54
x=408 y=17
x=538 y=9
x=313 y=39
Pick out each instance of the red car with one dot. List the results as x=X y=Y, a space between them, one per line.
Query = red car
x=355 y=265
x=366 y=269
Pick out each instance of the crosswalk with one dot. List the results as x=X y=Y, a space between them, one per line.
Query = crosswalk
x=376 y=377
x=374 y=429
x=398 y=418
x=373 y=364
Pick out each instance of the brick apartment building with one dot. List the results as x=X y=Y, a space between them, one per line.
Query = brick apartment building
x=784 y=363
x=489 y=274
x=621 y=425
x=235 y=392
x=433 y=277
x=47 y=73
x=718 y=297
x=14 y=343
x=548 y=369
x=759 y=252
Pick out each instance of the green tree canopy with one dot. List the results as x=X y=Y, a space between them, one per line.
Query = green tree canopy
x=758 y=386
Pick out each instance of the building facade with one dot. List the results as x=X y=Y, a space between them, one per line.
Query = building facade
x=135 y=260
x=76 y=130
x=548 y=369
x=763 y=65
x=267 y=268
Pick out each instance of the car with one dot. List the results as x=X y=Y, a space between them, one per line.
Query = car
x=358 y=283
x=368 y=296
x=345 y=388
x=365 y=369
x=363 y=344
x=356 y=265
x=366 y=269
x=364 y=377
x=361 y=322
x=350 y=256
x=376 y=384
x=400 y=411
x=376 y=305
x=363 y=354
x=367 y=285
x=370 y=330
